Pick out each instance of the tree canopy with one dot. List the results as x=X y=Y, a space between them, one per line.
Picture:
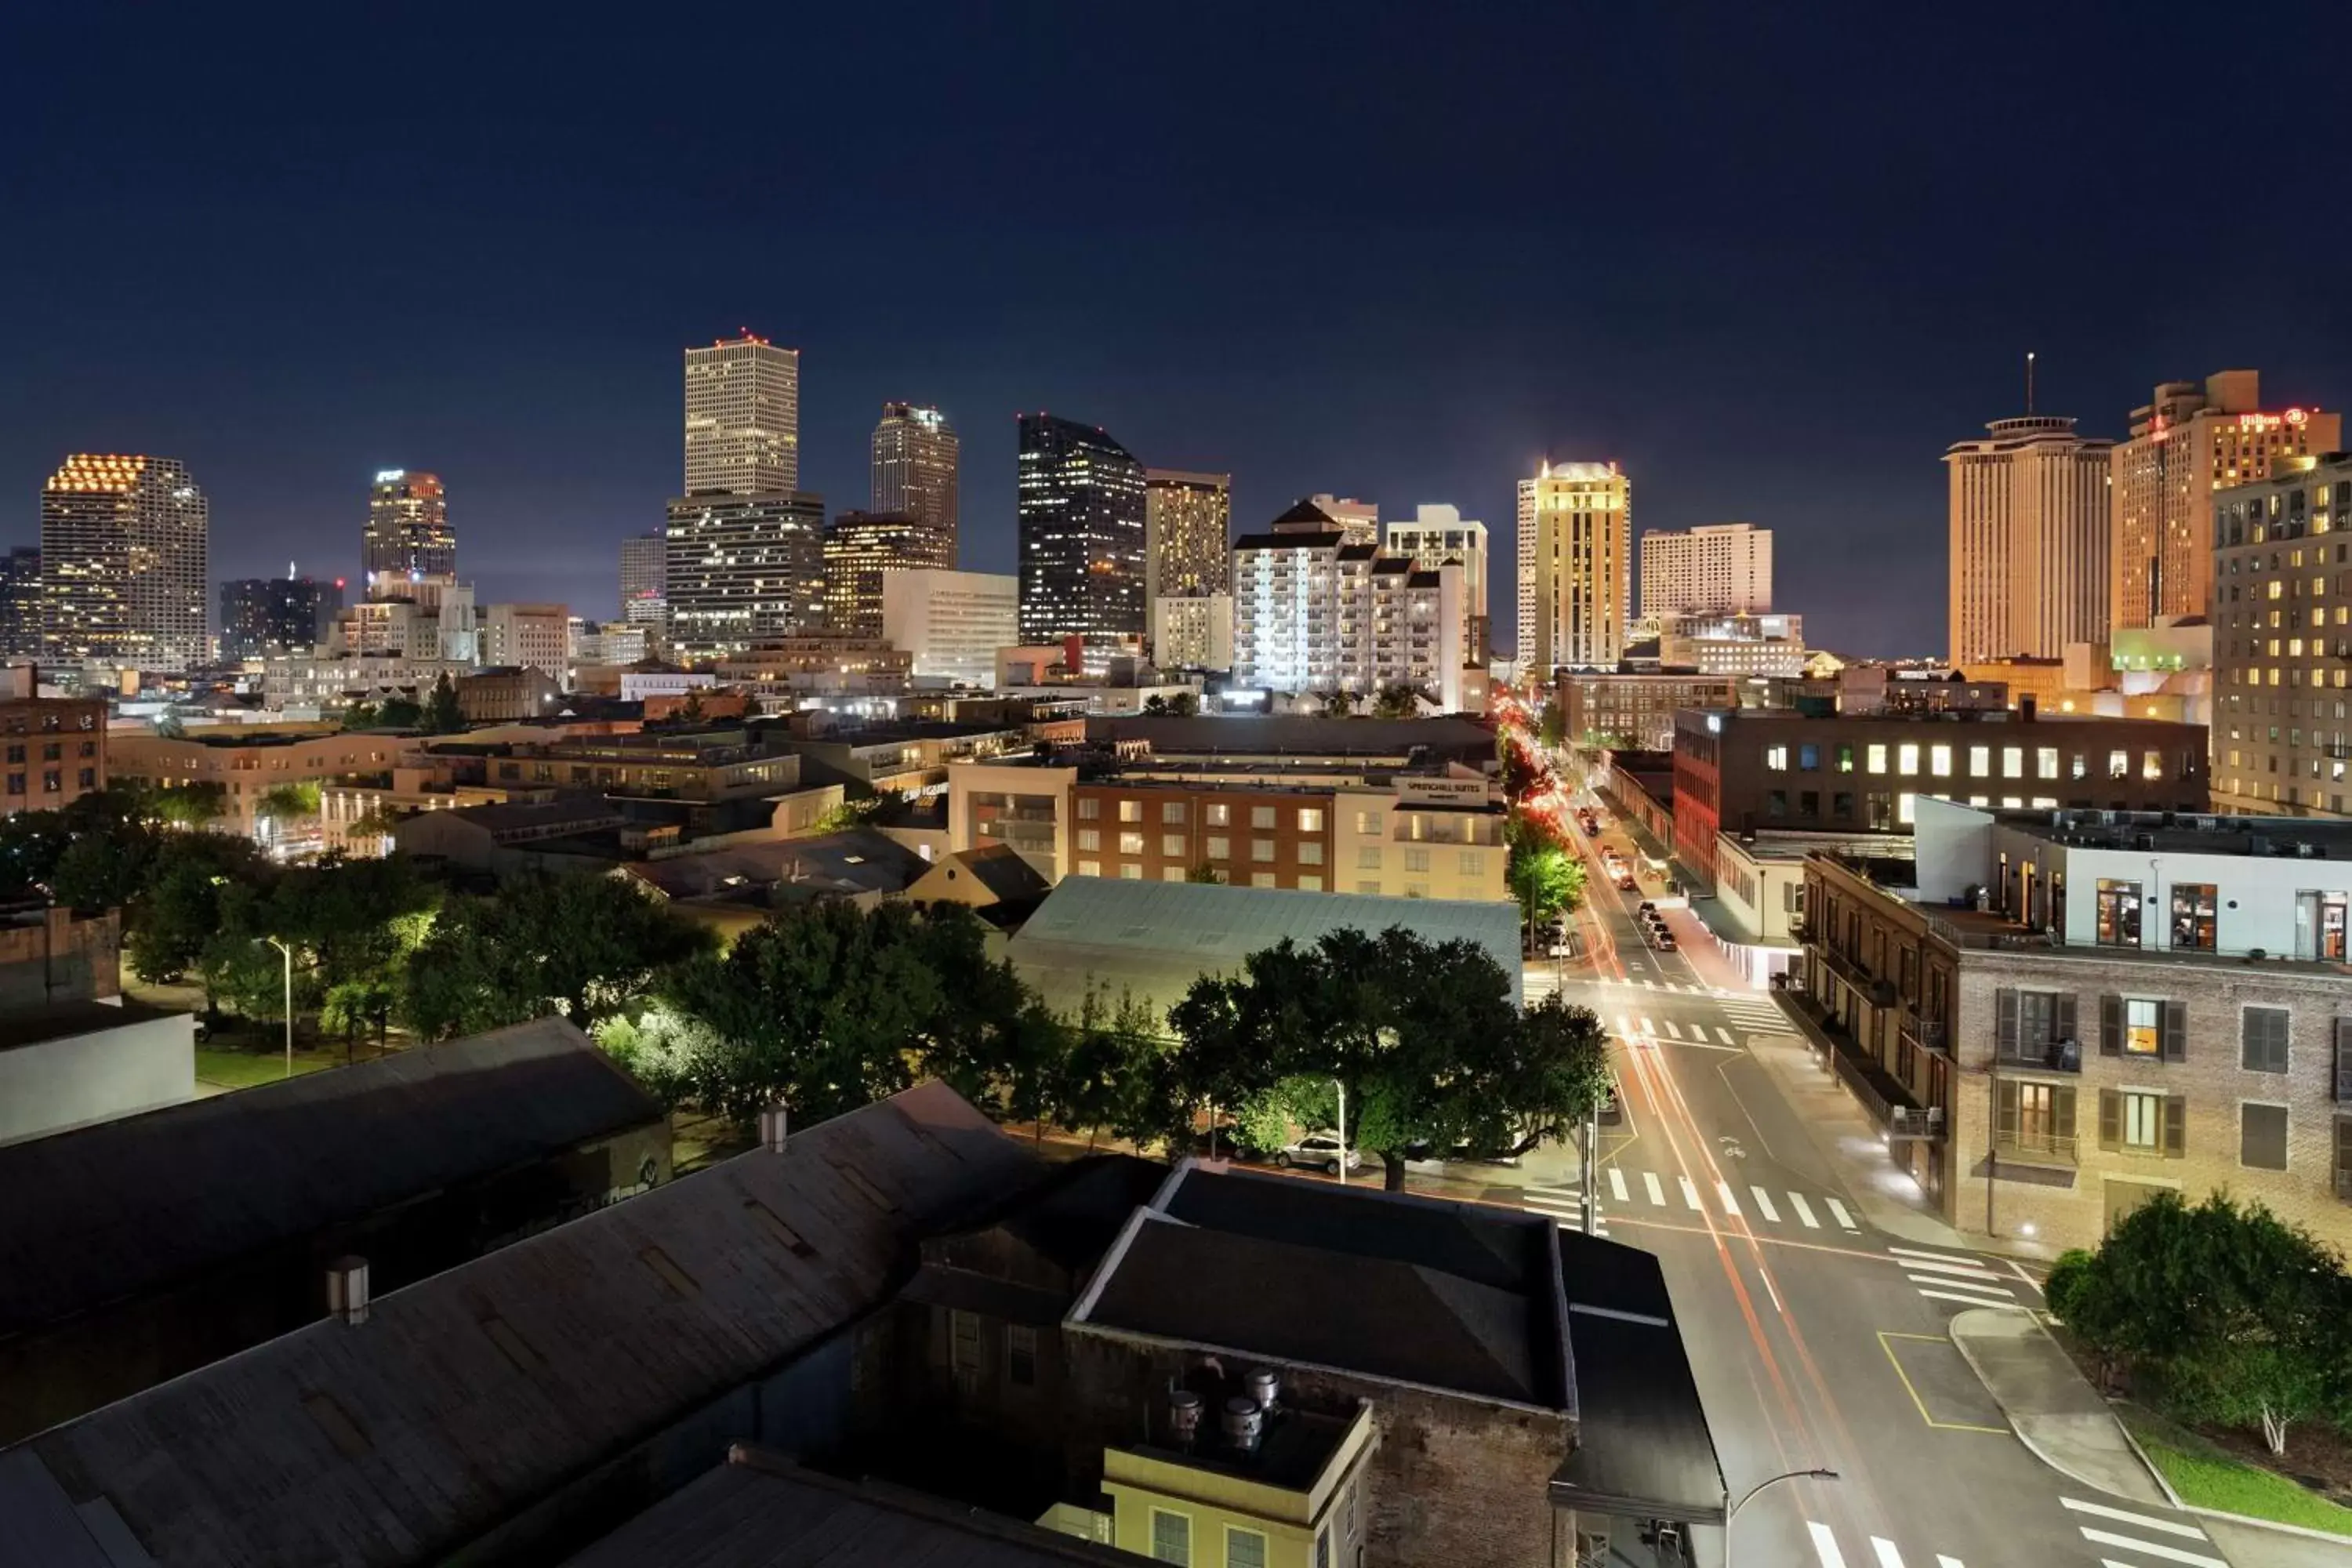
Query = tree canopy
x=442 y=714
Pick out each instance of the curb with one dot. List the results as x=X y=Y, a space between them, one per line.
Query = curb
x=2163 y=1483
x=2250 y=1521
x=1960 y=1344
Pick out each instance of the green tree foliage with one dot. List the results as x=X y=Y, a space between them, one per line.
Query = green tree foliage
x=1205 y=873
x=1337 y=703
x=1184 y=705
x=289 y=802
x=362 y=715
x=1396 y=701
x=1524 y=774
x=2238 y=1317
x=1111 y=1050
x=442 y=715
x=583 y=945
x=1423 y=1035
x=1545 y=881
x=196 y=804
x=188 y=894
x=399 y=713
x=1551 y=730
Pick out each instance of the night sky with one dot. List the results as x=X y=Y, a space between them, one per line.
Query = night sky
x=1399 y=252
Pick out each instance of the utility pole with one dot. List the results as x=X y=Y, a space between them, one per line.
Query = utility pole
x=1343 y=1130
x=289 y=954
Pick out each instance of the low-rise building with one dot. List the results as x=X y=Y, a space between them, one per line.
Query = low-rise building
x=506 y=693
x=73 y=1064
x=1195 y=631
x=55 y=746
x=1755 y=770
x=1741 y=645
x=2069 y=1012
x=951 y=624
x=248 y=766
x=1634 y=712
x=1314 y=612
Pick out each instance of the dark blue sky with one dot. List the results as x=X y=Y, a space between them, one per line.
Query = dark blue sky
x=1400 y=252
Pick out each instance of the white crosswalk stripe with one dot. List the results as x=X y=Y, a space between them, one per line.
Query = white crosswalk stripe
x=2151 y=1548
x=1672 y=1033
x=1804 y=1211
x=2145 y=1521
x=1725 y=1035
x=1690 y=1193
x=1764 y=1205
x=1649 y=1185
x=1730 y=1203
x=1887 y=1556
x=1825 y=1544
x=1837 y=1212
x=1648 y=1027
x=1947 y=1276
x=1768 y=1207
x=1883 y=1552
x=1617 y=1185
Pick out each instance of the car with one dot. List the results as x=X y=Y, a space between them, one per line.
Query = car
x=1646 y=907
x=1560 y=947
x=1663 y=940
x=1318 y=1152
x=1625 y=883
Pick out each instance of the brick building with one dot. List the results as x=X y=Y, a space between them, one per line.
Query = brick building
x=1757 y=769
x=2071 y=1012
x=1634 y=712
x=56 y=747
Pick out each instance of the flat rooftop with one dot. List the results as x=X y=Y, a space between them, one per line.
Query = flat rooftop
x=64 y=1020
x=2181 y=833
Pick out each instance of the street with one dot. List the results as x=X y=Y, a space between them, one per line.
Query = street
x=1817 y=1340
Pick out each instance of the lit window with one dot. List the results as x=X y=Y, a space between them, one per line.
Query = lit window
x=1261 y=849
x=1939 y=761
x=1906 y=761
x=2013 y=761
x=1310 y=819
x=1979 y=762
x=1090 y=868
x=1220 y=848
x=2045 y=762
x=1261 y=816
x=1130 y=811
x=1173 y=844
x=1130 y=843
x=1877 y=763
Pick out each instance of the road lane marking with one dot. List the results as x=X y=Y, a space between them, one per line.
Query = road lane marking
x=2153 y=1548
x=1804 y=1211
x=1971 y=1261
x=1690 y=1193
x=1617 y=1184
x=1650 y=1183
x=2146 y=1522
x=1624 y=1025
x=1837 y=1210
x=1887 y=1339
x=1825 y=1545
x=1944 y=1561
x=1725 y=1035
x=1965 y=1270
x=1730 y=1203
x=1648 y=1027
x=1764 y=1205
x=1887 y=1556
x=1990 y=1292
x=1971 y=1300
x=1672 y=1033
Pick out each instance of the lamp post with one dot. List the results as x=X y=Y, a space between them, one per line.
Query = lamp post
x=1819 y=1474
x=289 y=955
x=1343 y=1130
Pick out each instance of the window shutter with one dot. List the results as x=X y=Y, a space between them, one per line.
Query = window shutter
x=2344 y=1059
x=2004 y=1016
x=2175 y=1037
x=2005 y=1111
x=2176 y=1126
x=2062 y=1110
x=2111 y=1026
x=2062 y=1018
x=2110 y=1119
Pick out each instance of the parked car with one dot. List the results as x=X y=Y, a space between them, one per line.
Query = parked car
x=1662 y=939
x=1318 y=1152
x=1646 y=907
x=1625 y=883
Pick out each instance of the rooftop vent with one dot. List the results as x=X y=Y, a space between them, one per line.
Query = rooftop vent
x=1244 y=1421
x=347 y=1289
x=1264 y=1384
x=774 y=1125
x=1183 y=1416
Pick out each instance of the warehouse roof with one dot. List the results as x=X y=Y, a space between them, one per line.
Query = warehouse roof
x=137 y=1205
x=470 y=1395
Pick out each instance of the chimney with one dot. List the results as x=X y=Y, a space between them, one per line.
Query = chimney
x=774 y=1124
x=1242 y=1422
x=1263 y=1383
x=347 y=1290
x=1183 y=1416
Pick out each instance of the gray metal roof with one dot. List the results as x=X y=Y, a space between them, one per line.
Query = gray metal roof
x=469 y=1395
x=141 y=1204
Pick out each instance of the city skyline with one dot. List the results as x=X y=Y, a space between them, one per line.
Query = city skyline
x=538 y=377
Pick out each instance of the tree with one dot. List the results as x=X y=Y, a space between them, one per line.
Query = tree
x=1396 y=701
x=1545 y=881
x=186 y=897
x=692 y=711
x=196 y=804
x=288 y=802
x=1155 y=706
x=169 y=727
x=583 y=945
x=1109 y=1053
x=1184 y=705
x=399 y=713
x=362 y=715
x=1552 y=729
x=442 y=714
x=1204 y=872
x=1338 y=702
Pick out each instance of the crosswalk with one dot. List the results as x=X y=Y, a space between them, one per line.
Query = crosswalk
x=2105 y=1528
x=1959 y=1277
x=1637 y=1191
x=1883 y=1553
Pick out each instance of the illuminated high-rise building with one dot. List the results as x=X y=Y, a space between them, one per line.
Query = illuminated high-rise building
x=1576 y=566
x=1358 y=520
x=1186 y=526
x=2189 y=441
x=742 y=419
x=914 y=468
x=860 y=548
x=1437 y=536
x=743 y=568
x=2029 y=541
x=1081 y=520
x=20 y=602
x=124 y=543
x=407 y=534
x=1717 y=568
x=643 y=569
x=260 y=617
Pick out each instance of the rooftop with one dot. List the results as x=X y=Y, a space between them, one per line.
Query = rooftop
x=856 y=860
x=2181 y=833
x=1301 y=736
x=64 y=1020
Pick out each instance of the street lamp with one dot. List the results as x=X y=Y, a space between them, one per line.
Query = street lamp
x=1818 y=1475
x=289 y=954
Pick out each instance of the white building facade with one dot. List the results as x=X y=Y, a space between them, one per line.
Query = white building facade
x=1313 y=612
x=951 y=624
x=1721 y=569
x=1437 y=536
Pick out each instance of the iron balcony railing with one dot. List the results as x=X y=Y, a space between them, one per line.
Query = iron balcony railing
x=2028 y=1144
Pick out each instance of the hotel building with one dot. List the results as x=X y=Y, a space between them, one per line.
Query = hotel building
x=124 y=581
x=1576 y=566
x=1721 y=569
x=2027 y=539
x=407 y=534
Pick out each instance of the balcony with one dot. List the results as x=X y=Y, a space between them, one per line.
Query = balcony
x=2044 y=1056
x=2034 y=1148
x=1927 y=1034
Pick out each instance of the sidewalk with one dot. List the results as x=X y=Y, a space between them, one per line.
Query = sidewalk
x=2054 y=1410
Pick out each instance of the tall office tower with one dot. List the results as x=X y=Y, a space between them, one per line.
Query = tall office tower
x=1186 y=520
x=123 y=563
x=1081 y=517
x=2186 y=443
x=1358 y=520
x=2028 y=540
x=642 y=563
x=1437 y=536
x=1576 y=566
x=742 y=419
x=740 y=568
x=20 y=602
x=531 y=637
x=914 y=467
x=1718 y=569
x=261 y=617
x=860 y=548
x=408 y=531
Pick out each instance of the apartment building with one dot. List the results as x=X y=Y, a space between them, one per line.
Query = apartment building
x=1734 y=644
x=2071 y=1012
x=1756 y=769
x=534 y=637
x=2281 y=640
x=56 y=747
x=248 y=766
x=1634 y=712
x=1314 y=611
x=706 y=765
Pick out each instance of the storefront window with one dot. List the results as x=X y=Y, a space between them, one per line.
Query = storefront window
x=2193 y=905
x=2118 y=913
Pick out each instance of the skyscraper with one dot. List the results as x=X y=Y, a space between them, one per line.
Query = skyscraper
x=914 y=468
x=2186 y=443
x=1437 y=536
x=643 y=562
x=2028 y=540
x=1576 y=566
x=20 y=602
x=260 y=617
x=408 y=531
x=1186 y=520
x=740 y=568
x=1718 y=569
x=1081 y=517
x=742 y=419
x=124 y=544
x=859 y=547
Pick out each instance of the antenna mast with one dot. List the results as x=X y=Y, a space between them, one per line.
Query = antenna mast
x=2029 y=381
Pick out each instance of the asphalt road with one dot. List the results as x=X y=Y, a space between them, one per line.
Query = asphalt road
x=1817 y=1340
